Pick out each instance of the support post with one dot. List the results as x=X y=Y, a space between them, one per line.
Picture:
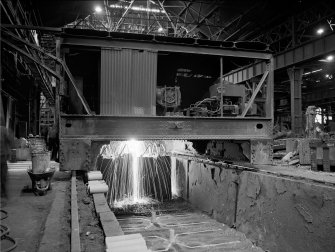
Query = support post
x=295 y=76
x=221 y=86
x=9 y=112
x=34 y=109
x=58 y=84
x=270 y=91
x=252 y=99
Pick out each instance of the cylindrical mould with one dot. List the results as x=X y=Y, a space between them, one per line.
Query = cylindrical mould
x=94 y=172
x=98 y=188
x=96 y=182
x=40 y=162
x=94 y=176
x=37 y=144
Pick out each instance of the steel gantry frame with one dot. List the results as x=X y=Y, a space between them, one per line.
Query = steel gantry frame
x=81 y=135
x=205 y=20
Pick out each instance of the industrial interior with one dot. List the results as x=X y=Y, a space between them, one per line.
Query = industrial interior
x=154 y=125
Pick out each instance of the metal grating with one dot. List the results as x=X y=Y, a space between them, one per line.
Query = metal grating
x=128 y=82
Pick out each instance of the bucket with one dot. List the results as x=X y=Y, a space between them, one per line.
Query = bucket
x=40 y=161
x=37 y=144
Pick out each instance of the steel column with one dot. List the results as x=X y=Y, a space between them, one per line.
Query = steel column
x=269 y=105
x=59 y=83
x=295 y=76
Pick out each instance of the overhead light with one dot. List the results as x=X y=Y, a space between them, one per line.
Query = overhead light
x=160 y=29
x=327 y=75
x=320 y=31
x=98 y=9
x=137 y=8
x=314 y=71
x=330 y=58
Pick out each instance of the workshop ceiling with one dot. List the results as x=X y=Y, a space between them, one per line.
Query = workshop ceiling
x=217 y=20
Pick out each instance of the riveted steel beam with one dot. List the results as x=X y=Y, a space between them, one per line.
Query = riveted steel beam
x=295 y=56
x=169 y=128
x=163 y=47
x=32 y=27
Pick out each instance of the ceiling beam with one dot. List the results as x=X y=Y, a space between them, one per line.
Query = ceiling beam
x=295 y=56
x=163 y=47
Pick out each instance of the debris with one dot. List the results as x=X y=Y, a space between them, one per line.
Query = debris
x=279 y=146
x=93 y=223
x=294 y=162
x=86 y=201
x=88 y=233
x=288 y=156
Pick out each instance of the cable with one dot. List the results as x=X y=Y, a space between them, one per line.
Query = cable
x=5 y=237
x=6 y=214
x=4 y=233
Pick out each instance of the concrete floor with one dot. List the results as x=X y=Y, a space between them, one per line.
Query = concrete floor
x=177 y=227
x=28 y=213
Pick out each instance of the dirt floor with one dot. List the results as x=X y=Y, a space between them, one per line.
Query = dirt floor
x=175 y=226
x=28 y=213
x=91 y=234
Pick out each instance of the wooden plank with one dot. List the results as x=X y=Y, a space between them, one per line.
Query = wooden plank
x=75 y=238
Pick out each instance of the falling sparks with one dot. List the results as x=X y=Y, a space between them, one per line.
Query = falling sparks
x=135 y=171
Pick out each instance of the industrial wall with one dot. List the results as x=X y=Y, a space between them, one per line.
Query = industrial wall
x=278 y=214
x=128 y=82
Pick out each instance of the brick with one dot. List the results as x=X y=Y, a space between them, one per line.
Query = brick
x=99 y=196
x=102 y=208
x=99 y=200
x=128 y=249
x=138 y=242
x=111 y=228
x=123 y=237
x=107 y=216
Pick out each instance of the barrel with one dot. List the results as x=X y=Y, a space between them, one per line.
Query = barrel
x=37 y=144
x=40 y=161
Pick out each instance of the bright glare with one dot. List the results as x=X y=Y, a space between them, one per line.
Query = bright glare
x=320 y=31
x=134 y=148
x=330 y=58
x=160 y=29
x=98 y=9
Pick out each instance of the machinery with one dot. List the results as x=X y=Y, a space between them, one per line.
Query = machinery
x=126 y=100
x=168 y=98
x=225 y=99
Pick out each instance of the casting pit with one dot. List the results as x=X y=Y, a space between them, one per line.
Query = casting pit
x=175 y=226
x=277 y=213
